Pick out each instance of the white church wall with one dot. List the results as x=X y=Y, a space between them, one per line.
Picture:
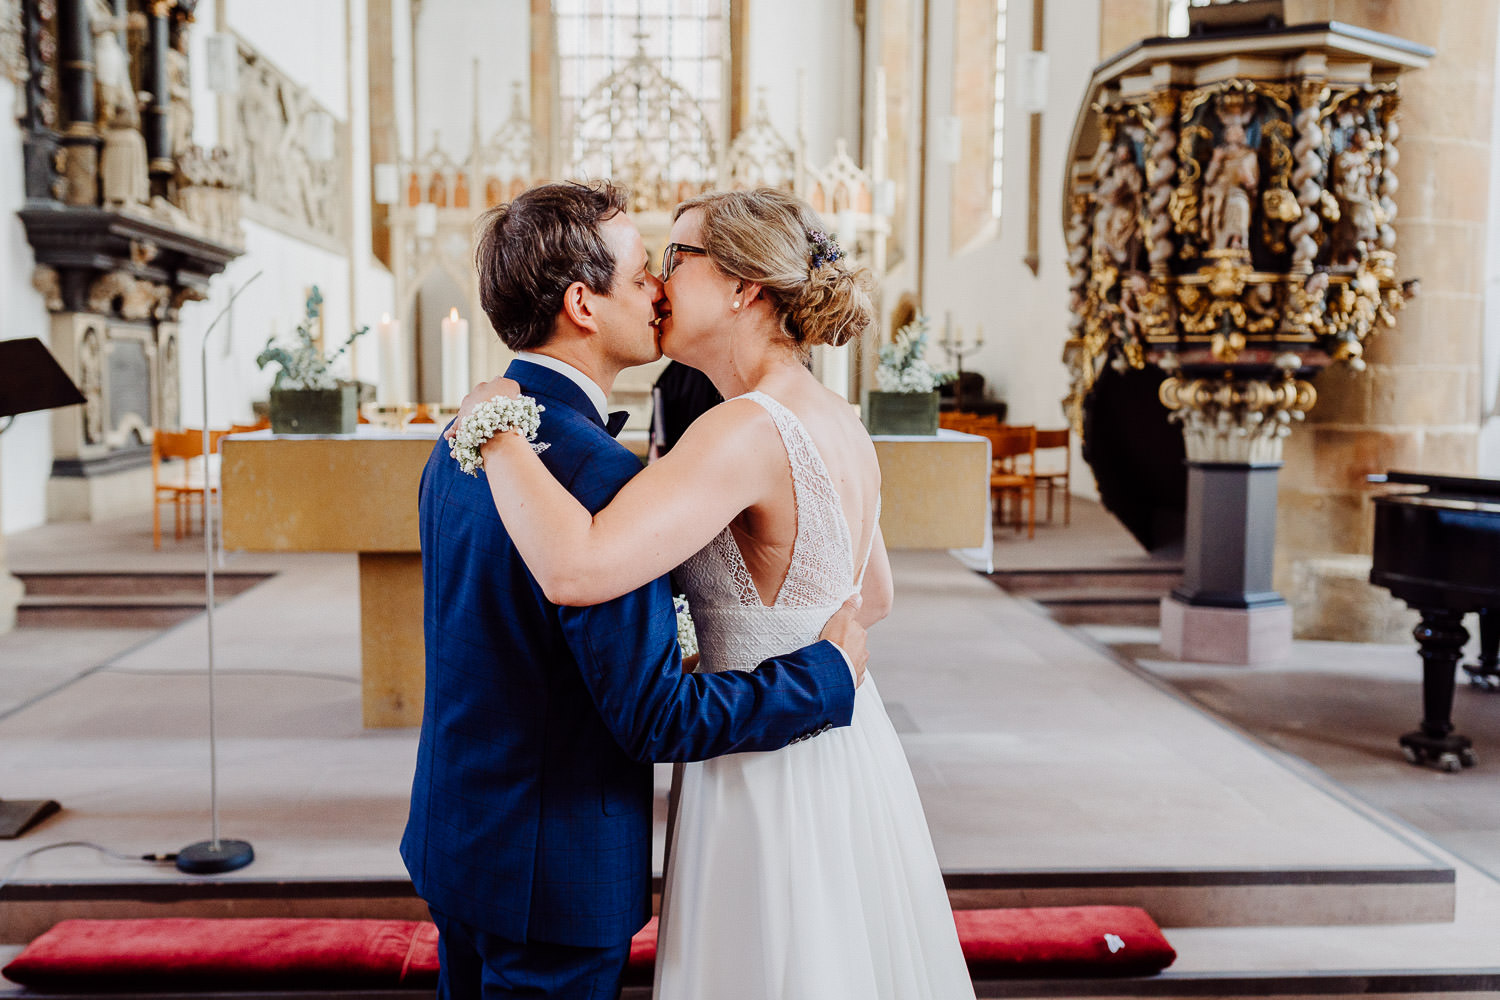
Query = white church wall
x=451 y=35
x=26 y=448
x=356 y=288
x=304 y=40
x=818 y=43
x=1024 y=316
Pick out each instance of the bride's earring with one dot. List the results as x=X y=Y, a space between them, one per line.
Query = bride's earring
x=736 y=304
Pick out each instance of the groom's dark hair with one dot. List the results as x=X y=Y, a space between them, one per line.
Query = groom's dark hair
x=532 y=249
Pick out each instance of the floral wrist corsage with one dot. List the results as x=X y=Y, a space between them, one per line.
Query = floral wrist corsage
x=495 y=416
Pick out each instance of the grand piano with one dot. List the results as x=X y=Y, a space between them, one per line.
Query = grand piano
x=1439 y=551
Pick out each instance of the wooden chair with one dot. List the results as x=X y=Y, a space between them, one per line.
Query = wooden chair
x=1013 y=472
x=1051 y=476
x=179 y=474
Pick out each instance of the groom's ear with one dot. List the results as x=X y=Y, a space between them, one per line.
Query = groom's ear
x=578 y=306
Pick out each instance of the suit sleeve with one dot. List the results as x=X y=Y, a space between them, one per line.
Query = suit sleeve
x=628 y=654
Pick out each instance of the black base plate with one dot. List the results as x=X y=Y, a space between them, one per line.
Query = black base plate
x=208 y=858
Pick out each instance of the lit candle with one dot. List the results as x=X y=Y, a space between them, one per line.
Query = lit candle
x=455 y=357
x=392 y=371
x=978 y=336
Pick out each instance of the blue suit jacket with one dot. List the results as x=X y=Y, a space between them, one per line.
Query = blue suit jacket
x=532 y=804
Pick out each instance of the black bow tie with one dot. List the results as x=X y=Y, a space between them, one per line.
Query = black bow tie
x=616 y=422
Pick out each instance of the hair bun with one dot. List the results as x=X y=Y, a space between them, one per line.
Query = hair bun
x=834 y=305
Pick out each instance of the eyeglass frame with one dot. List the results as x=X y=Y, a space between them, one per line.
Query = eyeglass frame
x=668 y=265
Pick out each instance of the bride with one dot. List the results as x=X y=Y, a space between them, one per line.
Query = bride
x=808 y=872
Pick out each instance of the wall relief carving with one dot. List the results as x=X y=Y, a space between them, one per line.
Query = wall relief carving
x=274 y=118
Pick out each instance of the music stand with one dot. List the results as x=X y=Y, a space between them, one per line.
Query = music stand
x=30 y=380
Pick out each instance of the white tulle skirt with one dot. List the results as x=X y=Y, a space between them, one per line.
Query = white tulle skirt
x=807 y=874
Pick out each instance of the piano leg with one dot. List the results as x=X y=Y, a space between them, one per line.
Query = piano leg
x=1441 y=635
x=1485 y=674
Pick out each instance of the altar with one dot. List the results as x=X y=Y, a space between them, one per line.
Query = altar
x=935 y=493
x=345 y=493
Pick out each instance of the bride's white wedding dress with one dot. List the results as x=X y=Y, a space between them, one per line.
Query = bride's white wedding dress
x=807 y=873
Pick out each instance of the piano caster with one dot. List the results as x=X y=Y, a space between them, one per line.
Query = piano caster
x=1446 y=753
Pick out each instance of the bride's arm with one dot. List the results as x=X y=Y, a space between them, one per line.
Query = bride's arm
x=725 y=462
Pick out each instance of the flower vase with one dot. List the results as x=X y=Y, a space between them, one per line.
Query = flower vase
x=315 y=411
x=907 y=414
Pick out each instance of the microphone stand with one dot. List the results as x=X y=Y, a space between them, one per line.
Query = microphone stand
x=214 y=856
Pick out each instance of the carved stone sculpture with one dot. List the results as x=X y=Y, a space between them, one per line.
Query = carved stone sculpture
x=1229 y=188
x=1117 y=218
x=1358 y=225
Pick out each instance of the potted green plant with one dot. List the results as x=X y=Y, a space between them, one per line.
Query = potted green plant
x=306 y=397
x=906 y=401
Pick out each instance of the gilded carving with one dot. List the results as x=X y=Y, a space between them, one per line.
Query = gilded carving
x=1233 y=420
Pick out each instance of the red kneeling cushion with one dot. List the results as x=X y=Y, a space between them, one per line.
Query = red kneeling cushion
x=1062 y=941
x=196 y=953
x=285 y=953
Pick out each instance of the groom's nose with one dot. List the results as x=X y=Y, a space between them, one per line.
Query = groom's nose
x=657 y=287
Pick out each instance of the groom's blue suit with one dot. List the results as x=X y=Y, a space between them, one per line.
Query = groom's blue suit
x=532 y=806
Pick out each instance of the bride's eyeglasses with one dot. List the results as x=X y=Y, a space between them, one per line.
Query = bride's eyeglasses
x=672 y=256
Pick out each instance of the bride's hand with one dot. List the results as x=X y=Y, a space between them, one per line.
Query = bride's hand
x=497 y=386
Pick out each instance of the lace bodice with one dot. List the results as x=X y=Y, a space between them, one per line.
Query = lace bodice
x=736 y=630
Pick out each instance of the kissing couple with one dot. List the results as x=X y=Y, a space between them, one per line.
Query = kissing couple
x=800 y=864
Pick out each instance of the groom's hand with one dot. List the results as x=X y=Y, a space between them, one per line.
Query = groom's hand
x=849 y=635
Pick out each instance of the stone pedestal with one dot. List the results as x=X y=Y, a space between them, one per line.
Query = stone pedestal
x=1225 y=610
x=1202 y=634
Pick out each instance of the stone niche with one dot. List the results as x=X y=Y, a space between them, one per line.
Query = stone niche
x=127 y=220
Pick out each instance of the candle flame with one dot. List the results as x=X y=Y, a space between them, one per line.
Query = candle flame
x=385 y=317
x=453 y=314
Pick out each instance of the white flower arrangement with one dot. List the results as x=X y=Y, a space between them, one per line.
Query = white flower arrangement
x=495 y=416
x=903 y=363
x=687 y=632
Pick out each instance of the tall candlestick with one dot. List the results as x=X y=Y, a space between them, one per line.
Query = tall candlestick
x=455 y=357
x=392 y=364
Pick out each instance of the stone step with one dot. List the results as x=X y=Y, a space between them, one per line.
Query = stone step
x=122 y=600
x=1027 y=583
x=137 y=584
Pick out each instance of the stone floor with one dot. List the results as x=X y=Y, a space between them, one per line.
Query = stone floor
x=1045 y=755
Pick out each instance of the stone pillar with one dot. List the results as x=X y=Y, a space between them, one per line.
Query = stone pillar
x=81 y=139
x=1226 y=610
x=1417 y=407
x=158 y=124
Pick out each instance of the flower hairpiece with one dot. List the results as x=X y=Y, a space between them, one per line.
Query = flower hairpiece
x=826 y=249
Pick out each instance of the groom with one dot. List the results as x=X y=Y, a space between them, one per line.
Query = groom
x=531 y=812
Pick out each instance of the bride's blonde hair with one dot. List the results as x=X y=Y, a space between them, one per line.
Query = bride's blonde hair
x=765 y=236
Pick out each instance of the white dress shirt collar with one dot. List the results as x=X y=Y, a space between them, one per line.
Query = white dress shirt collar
x=589 y=386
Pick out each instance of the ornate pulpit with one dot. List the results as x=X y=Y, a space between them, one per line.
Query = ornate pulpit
x=128 y=221
x=1230 y=204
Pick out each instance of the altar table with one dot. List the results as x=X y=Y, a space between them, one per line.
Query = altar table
x=935 y=492
x=345 y=493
